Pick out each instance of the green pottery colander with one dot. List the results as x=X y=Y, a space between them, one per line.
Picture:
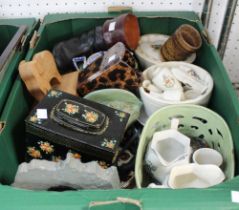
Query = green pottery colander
x=195 y=121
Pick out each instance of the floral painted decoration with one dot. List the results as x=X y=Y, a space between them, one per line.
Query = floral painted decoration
x=34 y=152
x=46 y=147
x=90 y=116
x=121 y=115
x=54 y=94
x=71 y=109
x=34 y=119
x=169 y=82
x=108 y=143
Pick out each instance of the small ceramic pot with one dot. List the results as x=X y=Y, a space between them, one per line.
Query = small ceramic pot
x=195 y=176
x=167 y=149
x=185 y=41
x=207 y=156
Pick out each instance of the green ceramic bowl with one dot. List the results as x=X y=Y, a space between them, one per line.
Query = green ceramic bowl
x=118 y=99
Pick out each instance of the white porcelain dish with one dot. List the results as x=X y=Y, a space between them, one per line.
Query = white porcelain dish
x=195 y=176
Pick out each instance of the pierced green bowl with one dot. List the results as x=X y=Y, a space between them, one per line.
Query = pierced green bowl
x=195 y=121
x=118 y=99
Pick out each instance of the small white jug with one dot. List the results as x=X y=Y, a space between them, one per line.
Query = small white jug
x=167 y=149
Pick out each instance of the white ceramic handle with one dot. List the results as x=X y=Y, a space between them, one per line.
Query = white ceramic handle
x=174 y=123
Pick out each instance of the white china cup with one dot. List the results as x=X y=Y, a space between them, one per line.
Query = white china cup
x=204 y=156
x=167 y=149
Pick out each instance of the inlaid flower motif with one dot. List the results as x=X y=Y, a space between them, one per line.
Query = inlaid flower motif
x=33 y=152
x=121 y=115
x=46 y=147
x=34 y=119
x=71 y=108
x=90 y=116
x=54 y=94
x=108 y=143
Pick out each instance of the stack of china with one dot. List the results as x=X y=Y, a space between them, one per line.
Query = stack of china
x=148 y=50
x=175 y=83
x=168 y=161
x=180 y=46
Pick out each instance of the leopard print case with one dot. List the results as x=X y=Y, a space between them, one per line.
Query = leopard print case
x=116 y=69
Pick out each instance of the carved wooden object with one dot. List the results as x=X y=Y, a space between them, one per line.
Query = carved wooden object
x=40 y=74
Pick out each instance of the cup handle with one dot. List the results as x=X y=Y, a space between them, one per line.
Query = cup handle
x=174 y=123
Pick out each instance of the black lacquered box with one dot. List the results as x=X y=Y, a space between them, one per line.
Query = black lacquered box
x=61 y=122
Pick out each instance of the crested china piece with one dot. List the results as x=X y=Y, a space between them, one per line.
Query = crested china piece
x=165 y=80
x=195 y=176
x=167 y=149
x=207 y=156
x=190 y=77
x=171 y=83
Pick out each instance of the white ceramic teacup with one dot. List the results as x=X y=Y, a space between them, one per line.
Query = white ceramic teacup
x=207 y=156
